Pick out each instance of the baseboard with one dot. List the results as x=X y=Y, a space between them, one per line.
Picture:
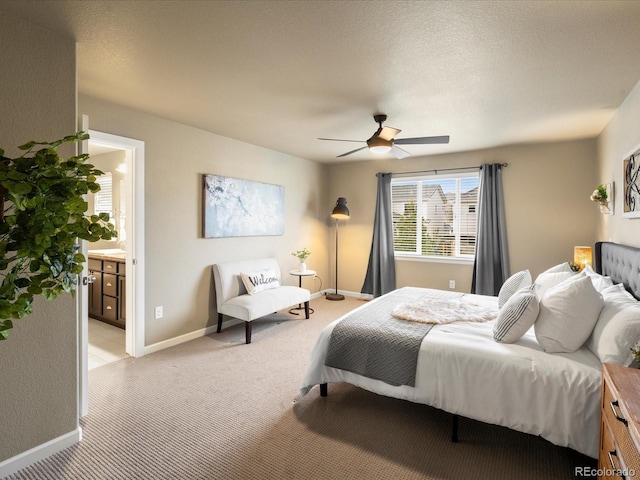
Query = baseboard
x=24 y=459
x=156 y=347
x=346 y=293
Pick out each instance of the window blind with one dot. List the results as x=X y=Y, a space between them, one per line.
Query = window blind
x=435 y=216
x=103 y=199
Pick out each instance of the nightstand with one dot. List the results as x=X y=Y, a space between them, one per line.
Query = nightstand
x=619 y=453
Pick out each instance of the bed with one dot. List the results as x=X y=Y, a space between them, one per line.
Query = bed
x=461 y=368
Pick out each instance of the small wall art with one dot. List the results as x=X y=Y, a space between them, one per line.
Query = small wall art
x=631 y=184
x=233 y=207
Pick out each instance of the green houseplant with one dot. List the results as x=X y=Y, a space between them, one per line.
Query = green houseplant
x=302 y=255
x=600 y=195
x=42 y=216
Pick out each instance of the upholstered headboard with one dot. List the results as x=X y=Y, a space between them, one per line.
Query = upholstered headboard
x=621 y=263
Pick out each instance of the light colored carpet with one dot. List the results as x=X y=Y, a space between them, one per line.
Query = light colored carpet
x=215 y=408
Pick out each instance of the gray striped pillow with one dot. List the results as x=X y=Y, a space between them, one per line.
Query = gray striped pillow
x=516 y=316
x=512 y=284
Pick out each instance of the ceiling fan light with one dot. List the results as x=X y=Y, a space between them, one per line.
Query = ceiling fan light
x=379 y=145
x=379 y=149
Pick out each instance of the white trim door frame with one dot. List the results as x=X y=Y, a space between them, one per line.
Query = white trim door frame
x=134 y=225
x=135 y=260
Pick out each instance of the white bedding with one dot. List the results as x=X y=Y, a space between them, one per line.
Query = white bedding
x=462 y=370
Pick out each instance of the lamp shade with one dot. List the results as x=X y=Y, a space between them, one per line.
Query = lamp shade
x=340 y=211
x=582 y=256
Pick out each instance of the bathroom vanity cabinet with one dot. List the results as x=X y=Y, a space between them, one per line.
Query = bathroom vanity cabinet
x=107 y=294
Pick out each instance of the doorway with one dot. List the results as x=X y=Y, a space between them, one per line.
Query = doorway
x=129 y=296
x=107 y=294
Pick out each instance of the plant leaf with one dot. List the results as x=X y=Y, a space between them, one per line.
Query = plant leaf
x=44 y=217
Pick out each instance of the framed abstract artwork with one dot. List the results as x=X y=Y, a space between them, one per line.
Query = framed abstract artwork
x=631 y=184
x=233 y=207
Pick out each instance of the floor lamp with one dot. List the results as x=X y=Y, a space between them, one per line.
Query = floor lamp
x=340 y=212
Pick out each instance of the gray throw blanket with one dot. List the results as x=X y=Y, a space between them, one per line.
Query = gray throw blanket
x=374 y=344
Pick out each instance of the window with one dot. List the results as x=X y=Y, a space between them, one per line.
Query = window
x=103 y=199
x=435 y=216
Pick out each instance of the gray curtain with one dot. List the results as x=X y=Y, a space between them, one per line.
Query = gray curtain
x=381 y=272
x=491 y=267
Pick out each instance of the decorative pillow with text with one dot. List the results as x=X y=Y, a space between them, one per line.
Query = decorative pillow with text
x=256 y=282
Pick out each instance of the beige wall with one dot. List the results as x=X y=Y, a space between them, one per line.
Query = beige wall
x=620 y=138
x=546 y=188
x=39 y=374
x=178 y=260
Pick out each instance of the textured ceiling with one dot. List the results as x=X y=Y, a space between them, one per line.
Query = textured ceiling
x=281 y=73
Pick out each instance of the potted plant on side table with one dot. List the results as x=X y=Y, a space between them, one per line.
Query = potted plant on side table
x=302 y=255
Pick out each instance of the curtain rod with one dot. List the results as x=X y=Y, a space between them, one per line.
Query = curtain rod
x=436 y=170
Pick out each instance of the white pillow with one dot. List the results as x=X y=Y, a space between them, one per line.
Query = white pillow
x=617 y=292
x=547 y=280
x=618 y=327
x=568 y=313
x=563 y=267
x=516 y=316
x=600 y=282
x=256 y=282
x=512 y=284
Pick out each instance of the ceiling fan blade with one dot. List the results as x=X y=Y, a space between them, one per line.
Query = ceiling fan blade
x=397 y=152
x=422 y=140
x=388 y=133
x=352 y=151
x=341 y=140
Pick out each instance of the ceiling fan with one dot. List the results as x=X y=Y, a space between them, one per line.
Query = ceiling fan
x=384 y=141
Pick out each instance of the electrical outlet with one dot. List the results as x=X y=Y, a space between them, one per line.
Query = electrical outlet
x=159 y=312
x=452 y=284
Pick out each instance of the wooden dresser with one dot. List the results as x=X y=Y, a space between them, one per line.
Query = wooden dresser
x=107 y=299
x=619 y=455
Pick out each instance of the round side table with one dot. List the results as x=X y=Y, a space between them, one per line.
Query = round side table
x=299 y=274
